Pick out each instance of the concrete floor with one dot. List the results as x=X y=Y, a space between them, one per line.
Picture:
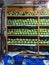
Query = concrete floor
x=1 y=63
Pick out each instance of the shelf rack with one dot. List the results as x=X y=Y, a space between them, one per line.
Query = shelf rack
x=23 y=7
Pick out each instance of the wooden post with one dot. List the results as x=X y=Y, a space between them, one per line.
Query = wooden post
x=38 y=29
x=6 y=32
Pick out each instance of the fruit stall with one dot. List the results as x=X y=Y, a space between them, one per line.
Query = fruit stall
x=27 y=25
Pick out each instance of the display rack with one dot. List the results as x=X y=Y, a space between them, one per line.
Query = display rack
x=25 y=8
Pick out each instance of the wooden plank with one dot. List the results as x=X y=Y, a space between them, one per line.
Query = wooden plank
x=23 y=16
x=20 y=9
x=44 y=44
x=9 y=5
x=28 y=54
x=22 y=25
x=23 y=44
x=20 y=35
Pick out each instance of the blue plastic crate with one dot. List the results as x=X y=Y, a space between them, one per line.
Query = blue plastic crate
x=6 y=58
x=47 y=58
x=18 y=62
x=17 y=59
x=32 y=61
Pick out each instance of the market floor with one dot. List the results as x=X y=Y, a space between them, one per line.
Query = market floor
x=1 y=63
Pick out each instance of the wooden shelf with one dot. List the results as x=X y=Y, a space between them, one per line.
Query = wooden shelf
x=44 y=25
x=43 y=44
x=22 y=16
x=27 y=25
x=28 y=54
x=25 y=8
x=20 y=5
x=44 y=15
x=9 y=5
x=24 y=44
x=22 y=25
x=44 y=35
x=21 y=35
x=27 y=15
